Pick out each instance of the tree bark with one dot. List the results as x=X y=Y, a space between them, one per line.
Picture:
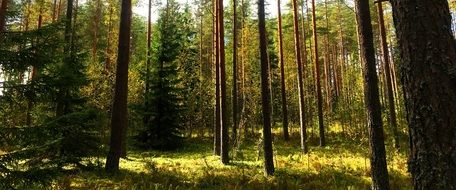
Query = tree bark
x=218 y=120
x=317 y=78
x=300 y=75
x=265 y=92
x=119 y=110
x=428 y=58
x=379 y=170
x=223 y=107
x=235 y=78
x=286 y=135
x=389 y=85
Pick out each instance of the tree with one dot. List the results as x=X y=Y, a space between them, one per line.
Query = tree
x=223 y=107
x=164 y=112
x=218 y=120
x=235 y=78
x=286 y=136
x=302 y=109
x=119 y=110
x=388 y=75
x=372 y=100
x=317 y=78
x=265 y=92
x=428 y=61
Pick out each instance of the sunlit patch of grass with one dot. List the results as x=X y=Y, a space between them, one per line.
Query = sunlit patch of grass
x=342 y=164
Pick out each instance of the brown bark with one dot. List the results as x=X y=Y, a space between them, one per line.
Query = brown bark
x=223 y=107
x=317 y=78
x=265 y=92
x=286 y=135
x=235 y=78
x=372 y=100
x=108 y=40
x=300 y=75
x=119 y=110
x=96 y=23
x=428 y=61
x=389 y=85
x=218 y=120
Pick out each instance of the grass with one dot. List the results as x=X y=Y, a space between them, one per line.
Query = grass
x=342 y=164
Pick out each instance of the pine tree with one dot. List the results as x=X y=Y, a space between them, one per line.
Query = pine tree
x=166 y=96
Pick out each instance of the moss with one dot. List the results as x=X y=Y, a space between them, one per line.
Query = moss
x=343 y=164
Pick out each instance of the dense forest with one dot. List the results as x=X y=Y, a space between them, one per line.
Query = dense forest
x=235 y=94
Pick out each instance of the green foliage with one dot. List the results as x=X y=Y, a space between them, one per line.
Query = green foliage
x=343 y=165
x=55 y=130
x=164 y=105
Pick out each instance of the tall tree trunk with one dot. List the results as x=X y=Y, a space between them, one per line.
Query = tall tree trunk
x=108 y=39
x=223 y=107
x=235 y=78
x=286 y=136
x=428 y=58
x=218 y=120
x=317 y=78
x=119 y=110
x=371 y=95
x=304 y=68
x=265 y=92
x=389 y=85
x=96 y=23
x=149 y=41
x=300 y=75
x=327 y=63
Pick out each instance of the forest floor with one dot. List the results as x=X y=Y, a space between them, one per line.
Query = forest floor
x=342 y=164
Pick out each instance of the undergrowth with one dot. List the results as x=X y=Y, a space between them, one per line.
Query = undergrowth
x=342 y=164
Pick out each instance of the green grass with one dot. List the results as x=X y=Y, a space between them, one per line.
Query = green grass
x=342 y=164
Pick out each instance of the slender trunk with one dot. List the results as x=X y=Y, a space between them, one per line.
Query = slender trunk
x=389 y=85
x=119 y=110
x=147 y=82
x=108 y=39
x=371 y=96
x=428 y=62
x=223 y=107
x=304 y=67
x=218 y=121
x=300 y=75
x=282 y=76
x=235 y=78
x=96 y=24
x=317 y=78
x=265 y=93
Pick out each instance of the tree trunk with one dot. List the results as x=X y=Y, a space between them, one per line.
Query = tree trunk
x=235 y=78
x=317 y=78
x=119 y=110
x=223 y=107
x=286 y=136
x=389 y=85
x=96 y=23
x=265 y=92
x=372 y=100
x=428 y=58
x=218 y=121
x=300 y=75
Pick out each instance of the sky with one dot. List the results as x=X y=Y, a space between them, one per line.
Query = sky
x=271 y=7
